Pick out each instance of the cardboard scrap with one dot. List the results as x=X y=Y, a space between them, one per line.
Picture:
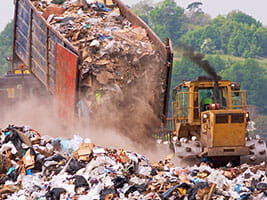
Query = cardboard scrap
x=84 y=151
x=29 y=160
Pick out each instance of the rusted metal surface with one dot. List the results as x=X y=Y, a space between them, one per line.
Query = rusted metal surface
x=34 y=43
x=66 y=83
x=168 y=77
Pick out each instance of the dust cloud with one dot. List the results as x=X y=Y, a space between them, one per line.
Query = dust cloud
x=35 y=112
x=137 y=110
x=125 y=120
x=40 y=115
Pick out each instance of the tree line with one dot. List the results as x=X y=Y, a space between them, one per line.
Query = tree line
x=236 y=34
x=234 y=44
x=5 y=47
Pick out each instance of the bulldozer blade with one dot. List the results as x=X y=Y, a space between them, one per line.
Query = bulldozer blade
x=257 y=152
x=186 y=148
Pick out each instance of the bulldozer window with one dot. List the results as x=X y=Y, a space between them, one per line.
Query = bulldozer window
x=237 y=118
x=221 y=119
x=224 y=97
x=180 y=107
x=206 y=96
x=237 y=99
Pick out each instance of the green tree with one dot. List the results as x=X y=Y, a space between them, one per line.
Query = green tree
x=142 y=9
x=5 y=46
x=213 y=33
x=226 y=31
x=241 y=17
x=216 y=61
x=207 y=46
x=193 y=38
x=252 y=78
x=260 y=39
x=185 y=70
x=167 y=19
x=243 y=42
x=197 y=19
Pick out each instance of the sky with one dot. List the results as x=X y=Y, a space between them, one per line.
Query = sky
x=255 y=8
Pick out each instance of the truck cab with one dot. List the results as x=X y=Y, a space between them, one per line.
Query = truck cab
x=16 y=86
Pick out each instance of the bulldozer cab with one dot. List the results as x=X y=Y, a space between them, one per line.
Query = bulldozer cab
x=193 y=97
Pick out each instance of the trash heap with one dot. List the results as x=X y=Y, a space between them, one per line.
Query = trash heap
x=111 y=48
x=41 y=167
x=122 y=72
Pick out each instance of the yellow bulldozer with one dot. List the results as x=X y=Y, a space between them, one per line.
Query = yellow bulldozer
x=210 y=119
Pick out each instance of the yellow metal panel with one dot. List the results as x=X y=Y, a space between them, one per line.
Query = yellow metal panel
x=229 y=135
x=107 y=2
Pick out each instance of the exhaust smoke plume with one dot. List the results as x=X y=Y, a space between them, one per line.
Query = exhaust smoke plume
x=198 y=59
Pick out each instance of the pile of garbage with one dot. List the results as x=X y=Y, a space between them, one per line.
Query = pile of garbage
x=122 y=70
x=111 y=48
x=42 y=167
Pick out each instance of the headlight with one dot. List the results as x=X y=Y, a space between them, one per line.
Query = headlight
x=174 y=138
x=205 y=116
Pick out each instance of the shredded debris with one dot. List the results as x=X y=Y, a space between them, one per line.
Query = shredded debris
x=40 y=167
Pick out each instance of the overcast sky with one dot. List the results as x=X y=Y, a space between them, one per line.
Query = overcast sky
x=255 y=8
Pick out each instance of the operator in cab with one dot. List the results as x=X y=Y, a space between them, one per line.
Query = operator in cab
x=206 y=101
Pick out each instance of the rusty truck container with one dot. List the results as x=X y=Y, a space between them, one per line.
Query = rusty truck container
x=57 y=63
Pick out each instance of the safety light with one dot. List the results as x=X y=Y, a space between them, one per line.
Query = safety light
x=205 y=116
x=214 y=106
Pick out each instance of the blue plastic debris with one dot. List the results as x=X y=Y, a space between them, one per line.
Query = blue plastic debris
x=29 y=172
x=102 y=7
x=238 y=188
x=11 y=169
x=7 y=133
x=102 y=37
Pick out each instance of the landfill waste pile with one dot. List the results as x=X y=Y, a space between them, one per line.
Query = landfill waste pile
x=110 y=46
x=120 y=68
x=35 y=166
x=115 y=54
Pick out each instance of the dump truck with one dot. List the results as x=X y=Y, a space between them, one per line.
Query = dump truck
x=210 y=119
x=93 y=60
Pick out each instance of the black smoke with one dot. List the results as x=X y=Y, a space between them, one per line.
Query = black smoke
x=198 y=58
